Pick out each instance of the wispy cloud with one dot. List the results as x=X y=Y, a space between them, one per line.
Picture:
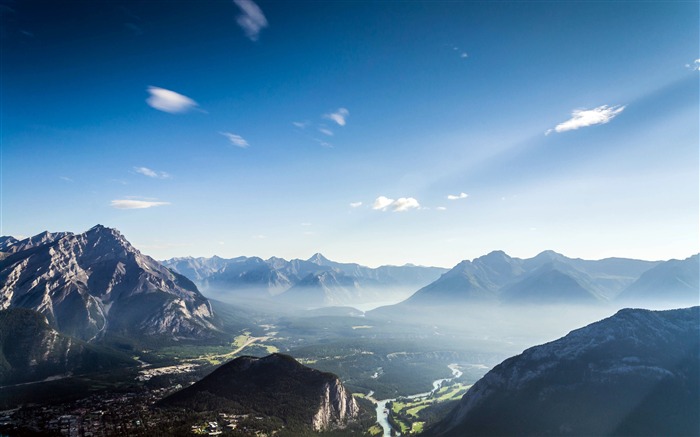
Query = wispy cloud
x=441 y=208
x=401 y=204
x=695 y=65
x=457 y=196
x=587 y=117
x=355 y=204
x=252 y=20
x=301 y=124
x=236 y=140
x=152 y=173
x=65 y=178
x=325 y=131
x=462 y=53
x=325 y=144
x=338 y=116
x=135 y=204
x=169 y=101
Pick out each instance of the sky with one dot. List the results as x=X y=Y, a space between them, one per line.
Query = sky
x=377 y=132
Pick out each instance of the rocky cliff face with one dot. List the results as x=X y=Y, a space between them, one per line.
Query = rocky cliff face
x=636 y=373
x=337 y=407
x=91 y=284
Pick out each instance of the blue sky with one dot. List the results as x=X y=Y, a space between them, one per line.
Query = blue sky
x=373 y=132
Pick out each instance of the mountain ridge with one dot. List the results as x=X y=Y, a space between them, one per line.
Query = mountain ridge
x=94 y=283
x=634 y=373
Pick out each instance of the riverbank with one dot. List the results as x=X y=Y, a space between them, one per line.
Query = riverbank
x=444 y=389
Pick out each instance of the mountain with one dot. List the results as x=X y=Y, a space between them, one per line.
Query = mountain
x=95 y=284
x=327 y=288
x=470 y=281
x=324 y=282
x=276 y=386
x=30 y=350
x=196 y=269
x=635 y=373
x=548 y=277
x=6 y=242
x=671 y=282
x=548 y=285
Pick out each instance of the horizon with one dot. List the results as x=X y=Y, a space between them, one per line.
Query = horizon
x=333 y=259
x=382 y=133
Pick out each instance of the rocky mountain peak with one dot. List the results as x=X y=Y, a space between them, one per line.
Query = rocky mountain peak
x=319 y=259
x=94 y=283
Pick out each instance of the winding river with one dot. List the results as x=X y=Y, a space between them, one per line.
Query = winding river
x=383 y=414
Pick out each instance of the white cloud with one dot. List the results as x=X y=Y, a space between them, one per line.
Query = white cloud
x=464 y=55
x=401 y=204
x=382 y=202
x=301 y=124
x=695 y=65
x=259 y=237
x=324 y=143
x=355 y=204
x=325 y=131
x=457 y=196
x=135 y=204
x=65 y=178
x=404 y=204
x=251 y=19
x=169 y=101
x=338 y=116
x=236 y=140
x=441 y=208
x=152 y=173
x=587 y=117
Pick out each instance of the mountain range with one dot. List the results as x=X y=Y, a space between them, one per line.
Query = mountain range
x=314 y=282
x=96 y=284
x=552 y=278
x=635 y=373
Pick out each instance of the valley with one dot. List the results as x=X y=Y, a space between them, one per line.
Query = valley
x=183 y=363
x=391 y=363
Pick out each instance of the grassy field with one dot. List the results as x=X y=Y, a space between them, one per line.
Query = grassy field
x=407 y=414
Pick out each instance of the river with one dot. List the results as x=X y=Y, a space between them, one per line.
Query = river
x=383 y=414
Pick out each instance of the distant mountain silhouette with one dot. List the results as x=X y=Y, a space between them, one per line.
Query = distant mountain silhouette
x=671 y=282
x=314 y=282
x=548 y=278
